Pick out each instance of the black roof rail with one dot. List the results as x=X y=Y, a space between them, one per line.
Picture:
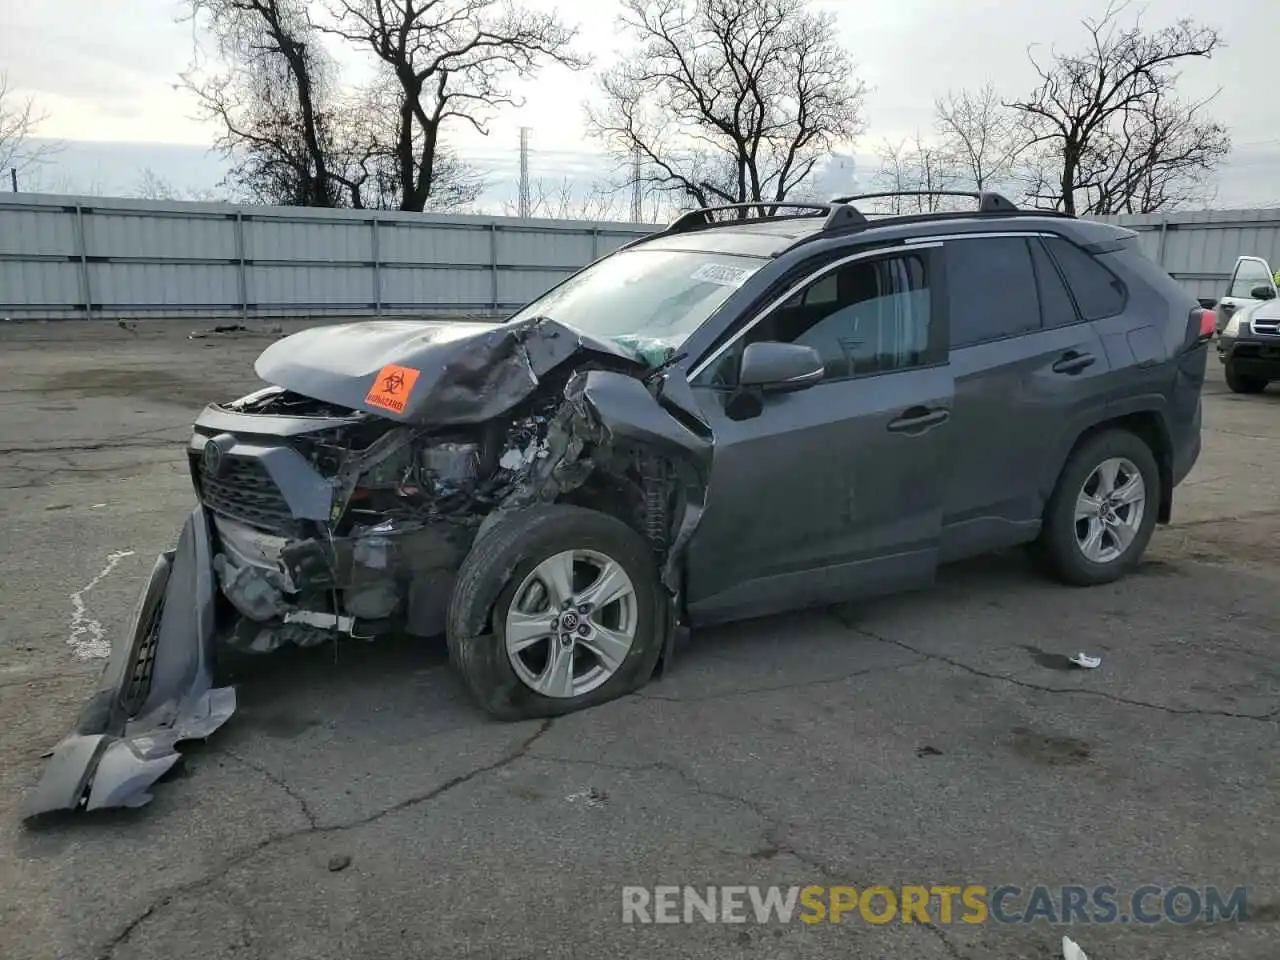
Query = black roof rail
x=988 y=200
x=702 y=216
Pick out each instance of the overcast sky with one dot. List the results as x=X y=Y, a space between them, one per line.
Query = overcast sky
x=105 y=70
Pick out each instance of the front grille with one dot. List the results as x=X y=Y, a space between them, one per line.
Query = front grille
x=1267 y=327
x=244 y=491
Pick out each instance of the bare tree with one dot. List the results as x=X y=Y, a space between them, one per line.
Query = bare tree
x=1107 y=133
x=916 y=166
x=982 y=137
x=18 y=122
x=294 y=135
x=728 y=101
x=449 y=60
x=272 y=98
x=366 y=161
x=151 y=186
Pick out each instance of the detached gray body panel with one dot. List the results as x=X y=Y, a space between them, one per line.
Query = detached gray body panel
x=126 y=736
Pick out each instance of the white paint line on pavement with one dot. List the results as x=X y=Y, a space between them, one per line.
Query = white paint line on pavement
x=87 y=636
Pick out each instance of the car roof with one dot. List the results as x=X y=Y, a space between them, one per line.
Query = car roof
x=771 y=236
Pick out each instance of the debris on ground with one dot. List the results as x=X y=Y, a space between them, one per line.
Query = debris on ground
x=1086 y=662
x=592 y=797
x=928 y=751
x=1071 y=950
x=271 y=329
x=220 y=328
x=339 y=861
x=129 y=325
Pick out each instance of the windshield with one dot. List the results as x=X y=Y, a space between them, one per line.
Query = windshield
x=648 y=301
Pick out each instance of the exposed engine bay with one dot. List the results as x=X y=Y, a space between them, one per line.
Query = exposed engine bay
x=407 y=504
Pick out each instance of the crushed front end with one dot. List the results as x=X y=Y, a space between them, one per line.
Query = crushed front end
x=337 y=511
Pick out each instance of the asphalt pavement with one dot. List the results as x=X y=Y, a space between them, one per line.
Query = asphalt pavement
x=357 y=805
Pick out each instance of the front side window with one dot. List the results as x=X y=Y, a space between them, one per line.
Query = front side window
x=864 y=318
x=1250 y=274
x=648 y=301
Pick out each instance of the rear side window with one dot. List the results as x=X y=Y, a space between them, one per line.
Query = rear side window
x=991 y=289
x=1056 y=308
x=1097 y=291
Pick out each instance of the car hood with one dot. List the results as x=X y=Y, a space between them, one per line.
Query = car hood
x=1267 y=310
x=430 y=372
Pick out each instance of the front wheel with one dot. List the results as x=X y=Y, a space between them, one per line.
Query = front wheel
x=555 y=609
x=1239 y=383
x=1103 y=510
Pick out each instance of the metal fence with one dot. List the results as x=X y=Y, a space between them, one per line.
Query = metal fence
x=64 y=257
x=1200 y=248
x=67 y=257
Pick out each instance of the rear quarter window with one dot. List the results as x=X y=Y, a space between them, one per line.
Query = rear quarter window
x=1097 y=291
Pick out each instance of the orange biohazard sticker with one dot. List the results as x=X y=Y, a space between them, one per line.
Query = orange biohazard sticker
x=392 y=387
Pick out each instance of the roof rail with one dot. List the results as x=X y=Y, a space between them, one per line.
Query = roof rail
x=988 y=200
x=839 y=213
x=702 y=216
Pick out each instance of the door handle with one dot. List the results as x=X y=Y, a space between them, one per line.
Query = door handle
x=918 y=420
x=1072 y=362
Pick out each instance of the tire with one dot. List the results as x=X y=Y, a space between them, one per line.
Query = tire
x=1239 y=383
x=506 y=561
x=1059 y=548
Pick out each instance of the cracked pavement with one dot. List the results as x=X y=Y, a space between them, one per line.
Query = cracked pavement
x=357 y=804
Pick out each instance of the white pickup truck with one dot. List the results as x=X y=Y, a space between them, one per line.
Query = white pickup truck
x=1251 y=281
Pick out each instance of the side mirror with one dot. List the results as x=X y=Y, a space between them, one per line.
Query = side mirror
x=780 y=367
x=1262 y=293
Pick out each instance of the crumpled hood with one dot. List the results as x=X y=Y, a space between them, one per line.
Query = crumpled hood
x=424 y=371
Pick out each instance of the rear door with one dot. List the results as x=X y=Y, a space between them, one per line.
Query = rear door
x=1250 y=276
x=1028 y=371
x=832 y=492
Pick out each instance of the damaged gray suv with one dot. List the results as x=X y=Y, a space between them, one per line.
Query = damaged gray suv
x=757 y=409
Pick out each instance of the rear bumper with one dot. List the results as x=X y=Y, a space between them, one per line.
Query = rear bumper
x=1186 y=455
x=155 y=691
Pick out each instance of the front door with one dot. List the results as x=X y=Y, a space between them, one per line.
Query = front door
x=1250 y=274
x=832 y=492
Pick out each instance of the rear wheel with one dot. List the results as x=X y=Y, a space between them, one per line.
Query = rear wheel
x=1103 y=511
x=1239 y=383
x=555 y=609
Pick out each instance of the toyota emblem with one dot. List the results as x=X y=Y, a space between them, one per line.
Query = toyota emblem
x=211 y=459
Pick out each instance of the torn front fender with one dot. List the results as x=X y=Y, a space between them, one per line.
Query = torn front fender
x=626 y=410
x=155 y=691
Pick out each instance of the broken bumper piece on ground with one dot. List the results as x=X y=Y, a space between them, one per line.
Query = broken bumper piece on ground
x=156 y=690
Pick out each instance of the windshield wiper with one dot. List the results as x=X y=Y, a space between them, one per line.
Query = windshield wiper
x=663 y=367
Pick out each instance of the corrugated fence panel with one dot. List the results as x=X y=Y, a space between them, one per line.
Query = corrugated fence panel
x=171 y=237
x=178 y=286
x=1199 y=248
x=406 y=288
x=32 y=233
x=68 y=257
x=36 y=284
x=431 y=243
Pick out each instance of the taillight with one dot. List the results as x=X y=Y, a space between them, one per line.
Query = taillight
x=1208 y=322
x=1201 y=326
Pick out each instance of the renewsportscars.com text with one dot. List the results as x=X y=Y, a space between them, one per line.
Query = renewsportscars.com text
x=934 y=904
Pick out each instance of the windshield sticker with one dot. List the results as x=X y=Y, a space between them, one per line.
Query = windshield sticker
x=392 y=387
x=723 y=274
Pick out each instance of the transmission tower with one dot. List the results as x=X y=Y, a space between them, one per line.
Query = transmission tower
x=524 y=171
x=637 y=195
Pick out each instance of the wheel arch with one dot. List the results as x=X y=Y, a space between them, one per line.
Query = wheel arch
x=1147 y=422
